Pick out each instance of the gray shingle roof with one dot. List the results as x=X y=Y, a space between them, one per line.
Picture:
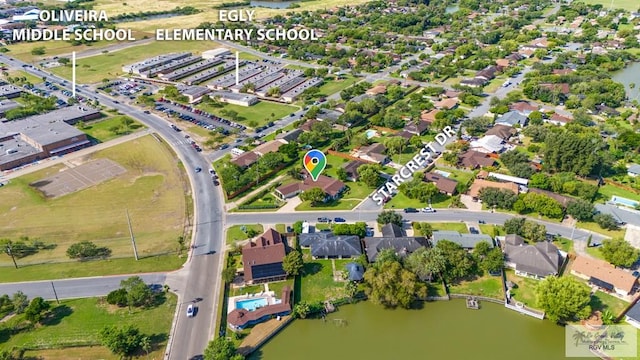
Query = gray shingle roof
x=467 y=241
x=512 y=118
x=541 y=259
x=403 y=246
x=356 y=271
x=326 y=244
x=392 y=230
x=635 y=168
x=634 y=312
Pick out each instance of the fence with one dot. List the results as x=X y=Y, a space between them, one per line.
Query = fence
x=483 y=298
x=525 y=310
x=252 y=184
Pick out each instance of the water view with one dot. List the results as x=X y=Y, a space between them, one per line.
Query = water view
x=273 y=4
x=627 y=76
x=441 y=330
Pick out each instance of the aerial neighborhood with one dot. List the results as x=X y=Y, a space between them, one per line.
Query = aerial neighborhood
x=227 y=199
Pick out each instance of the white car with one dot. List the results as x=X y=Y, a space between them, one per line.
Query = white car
x=428 y=210
x=190 y=310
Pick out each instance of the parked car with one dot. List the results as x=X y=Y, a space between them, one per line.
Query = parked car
x=339 y=220
x=198 y=169
x=324 y=220
x=190 y=310
x=481 y=222
x=410 y=210
x=636 y=273
x=428 y=210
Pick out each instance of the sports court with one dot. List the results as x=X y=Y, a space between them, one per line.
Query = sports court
x=80 y=177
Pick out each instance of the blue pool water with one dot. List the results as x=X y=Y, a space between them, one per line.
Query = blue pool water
x=251 y=304
x=624 y=201
x=371 y=133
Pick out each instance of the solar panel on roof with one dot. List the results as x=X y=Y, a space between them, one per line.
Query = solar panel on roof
x=267 y=270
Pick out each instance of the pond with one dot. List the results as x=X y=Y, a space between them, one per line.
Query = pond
x=273 y=4
x=441 y=329
x=628 y=75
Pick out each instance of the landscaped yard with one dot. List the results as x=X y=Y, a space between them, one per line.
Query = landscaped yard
x=607 y=191
x=596 y=228
x=489 y=286
x=339 y=204
x=595 y=252
x=101 y=129
x=317 y=281
x=254 y=115
x=239 y=232
x=333 y=86
x=401 y=201
x=78 y=323
x=453 y=226
x=564 y=244
x=492 y=230
x=602 y=301
x=99 y=213
x=525 y=292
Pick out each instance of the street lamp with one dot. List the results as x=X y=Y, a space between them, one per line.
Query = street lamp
x=10 y=253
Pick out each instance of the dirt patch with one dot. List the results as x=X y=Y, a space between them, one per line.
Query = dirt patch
x=77 y=178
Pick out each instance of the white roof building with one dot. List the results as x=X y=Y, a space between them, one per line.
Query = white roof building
x=488 y=144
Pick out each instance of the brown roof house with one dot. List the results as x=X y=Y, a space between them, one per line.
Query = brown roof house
x=238 y=319
x=416 y=127
x=604 y=275
x=351 y=168
x=558 y=119
x=445 y=185
x=429 y=116
x=502 y=131
x=269 y=147
x=377 y=90
x=262 y=258
x=446 y=104
x=523 y=107
x=535 y=261
x=479 y=184
x=474 y=159
x=373 y=153
x=333 y=188
x=245 y=159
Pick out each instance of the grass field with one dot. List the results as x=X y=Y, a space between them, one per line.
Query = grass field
x=152 y=190
x=602 y=301
x=596 y=228
x=90 y=268
x=525 y=292
x=79 y=321
x=260 y=112
x=317 y=281
x=459 y=227
x=607 y=191
x=100 y=129
x=235 y=233
x=30 y=78
x=333 y=86
x=95 y=68
x=595 y=252
x=489 y=286
x=629 y=5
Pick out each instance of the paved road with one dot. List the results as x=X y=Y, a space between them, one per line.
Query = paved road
x=442 y=215
x=75 y=288
x=260 y=54
x=191 y=337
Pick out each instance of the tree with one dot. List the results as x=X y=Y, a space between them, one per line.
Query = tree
x=425 y=262
x=358 y=229
x=369 y=174
x=221 y=348
x=36 y=309
x=145 y=344
x=390 y=217
x=39 y=50
x=342 y=174
x=290 y=150
x=297 y=227
x=482 y=249
x=314 y=195
x=619 y=252
x=351 y=289
x=20 y=302
x=6 y=306
x=138 y=293
x=606 y=221
x=122 y=341
x=458 y=263
x=117 y=297
x=425 y=229
x=493 y=261
x=293 y=263
x=228 y=274
x=581 y=210
x=87 y=249
x=563 y=298
x=390 y=285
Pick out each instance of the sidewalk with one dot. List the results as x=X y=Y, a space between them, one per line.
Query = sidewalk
x=43 y=164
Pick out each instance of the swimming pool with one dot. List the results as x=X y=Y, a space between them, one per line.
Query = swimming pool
x=251 y=304
x=371 y=133
x=624 y=201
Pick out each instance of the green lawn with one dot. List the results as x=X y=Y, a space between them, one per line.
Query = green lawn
x=602 y=301
x=235 y=233
x=334 y=86
x=78 y=322
x=595 y=252
x=98 y=213
x=259 y=113
x=489 y=286
x=90 y=268
x=317 y=281
x=453 y=226
x=492 y=230
x=30 y=78
x=339 y=204
x=436 y=289
x=281 y=228
x=596 y=228
x=525 y=290
x=100 y=129
x=95 y=68
x=629 y=5
x=564 y=244
x=607 y=191
x=401 y=201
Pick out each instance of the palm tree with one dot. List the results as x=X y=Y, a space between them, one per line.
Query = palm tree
x=145 y=344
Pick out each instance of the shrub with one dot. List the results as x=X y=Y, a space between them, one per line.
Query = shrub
x=117 y=297
x=87 y=249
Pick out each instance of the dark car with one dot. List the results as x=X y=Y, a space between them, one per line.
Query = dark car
x=410 y=210
x=198 y=169
x=324 y=220
x=339 y=220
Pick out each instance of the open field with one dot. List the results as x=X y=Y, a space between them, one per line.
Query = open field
x=95 y=68
x=317 y=279
x=452 y=226
x=101 y=129
x=208 y=14
x=30 y=78
x=53 y=48
x=79 y=321
x=333 y=86
x=630 y=5
x=98 y=212
x=259 y=113
x=489 y=286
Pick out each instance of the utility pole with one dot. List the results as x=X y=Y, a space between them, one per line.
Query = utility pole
x=133 y=239
x=11 y=254
x=55 y=293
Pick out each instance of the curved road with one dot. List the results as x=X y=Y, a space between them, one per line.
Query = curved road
x=191 y=335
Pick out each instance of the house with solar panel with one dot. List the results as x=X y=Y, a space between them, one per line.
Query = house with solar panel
x=262 y=258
